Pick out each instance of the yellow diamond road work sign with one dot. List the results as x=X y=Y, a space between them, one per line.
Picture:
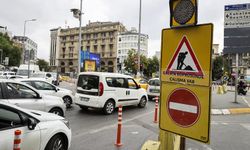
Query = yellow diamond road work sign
x=185 y=81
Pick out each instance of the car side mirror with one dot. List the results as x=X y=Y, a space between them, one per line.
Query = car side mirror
x=57 y=89
x=139 y=86
x=31 y=123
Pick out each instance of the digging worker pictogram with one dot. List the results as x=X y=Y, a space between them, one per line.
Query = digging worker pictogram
x=180 y=61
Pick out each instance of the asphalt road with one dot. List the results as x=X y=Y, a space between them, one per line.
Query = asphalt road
x=91 y=130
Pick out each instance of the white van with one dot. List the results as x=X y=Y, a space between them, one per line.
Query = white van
x=108 y=91
x=23 y=70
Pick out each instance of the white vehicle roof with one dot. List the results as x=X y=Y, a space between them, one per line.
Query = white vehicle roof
x=154 y=79
x=32 y=67
x=34 y=113
x=106 y=74
x=31 y=79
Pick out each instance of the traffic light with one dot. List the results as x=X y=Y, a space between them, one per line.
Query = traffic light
x=183 y=13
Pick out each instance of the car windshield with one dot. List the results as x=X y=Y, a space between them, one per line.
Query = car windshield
x=88 y=82
x=23 y=72
x=154 y=82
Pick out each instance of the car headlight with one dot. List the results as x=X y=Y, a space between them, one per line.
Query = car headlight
x=66 y=122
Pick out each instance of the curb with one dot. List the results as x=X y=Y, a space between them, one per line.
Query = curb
x=232 y=111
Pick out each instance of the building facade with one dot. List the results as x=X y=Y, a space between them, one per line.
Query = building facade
x=215 y=51
x=97 y=37
x=30 y=49
x=129 y=41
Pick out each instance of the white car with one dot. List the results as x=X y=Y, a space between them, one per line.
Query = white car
x=39 y=130
x=108 y=91
x=7 y=74
x=26 y=96
x=153 y=89
x=47 y=88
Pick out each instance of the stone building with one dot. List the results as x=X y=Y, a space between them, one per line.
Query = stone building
x=97 y=37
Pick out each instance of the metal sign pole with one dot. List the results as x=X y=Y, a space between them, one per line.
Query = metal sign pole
x=236 y=77
x=183 y=143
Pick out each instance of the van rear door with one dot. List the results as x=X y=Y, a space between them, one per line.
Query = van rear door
x=88 y=85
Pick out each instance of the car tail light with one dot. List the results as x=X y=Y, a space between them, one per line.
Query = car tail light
x=101 y=89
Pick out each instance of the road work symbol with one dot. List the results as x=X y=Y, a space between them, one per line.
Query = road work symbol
x=184 y=61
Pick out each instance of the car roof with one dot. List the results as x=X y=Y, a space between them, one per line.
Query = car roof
x=106 y=74
x=18 y=81
x=31 y=79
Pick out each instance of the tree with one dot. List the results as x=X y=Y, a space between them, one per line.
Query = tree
x=43 y=65
x=217 y=71
x=131 y=63
x=153 y=66
x=9 y=50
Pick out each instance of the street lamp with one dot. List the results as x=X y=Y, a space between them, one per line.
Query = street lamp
x=24 y=31
x=139 y=42
x=78 y=14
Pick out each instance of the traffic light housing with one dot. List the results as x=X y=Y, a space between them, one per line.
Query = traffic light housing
x=183 y=13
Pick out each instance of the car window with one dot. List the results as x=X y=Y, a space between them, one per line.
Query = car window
x=116 y=82
x=9 y=119
x=151 y=82
x=132 y=84
x=88 y=82
x=27 y=82
x=40 y=85
x=48 y=75
x=142 y=81
x=157 y=82
x=19 y=91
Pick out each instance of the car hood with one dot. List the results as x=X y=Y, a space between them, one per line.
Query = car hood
x=44 y=116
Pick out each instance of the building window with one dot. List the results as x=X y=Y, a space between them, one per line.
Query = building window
x=70 y=63
x=95 y=41
x=111 y=40
x=111 y=47
x=119 y=51
x=95 y=35
x=103 y=40
x=72 y=43
x=103 y=47
x=88 y=48
x=103 y=35
x=71 y=55
x=71 y=49
x=64 y=38
x=71 y=37
x=64 y=44
x=63 y=49
x=110 y=53
x=63 y=55
x=103 y=54
x=95 y=48
x=88 y=41
x=87 y=36
x=62 y=63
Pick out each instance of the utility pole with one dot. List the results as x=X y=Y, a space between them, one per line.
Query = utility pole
x=139 y=42
x=24 y=31
x=78 y=14
x=236 y=77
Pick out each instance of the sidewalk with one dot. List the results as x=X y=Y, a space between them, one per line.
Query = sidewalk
x=224 y=104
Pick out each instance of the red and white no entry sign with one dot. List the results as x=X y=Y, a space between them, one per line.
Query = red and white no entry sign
x=183 y=107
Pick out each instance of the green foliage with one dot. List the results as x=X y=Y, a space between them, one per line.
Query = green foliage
x=9 y=50
x=217 y=71
x=147 y=65
x=43 y=64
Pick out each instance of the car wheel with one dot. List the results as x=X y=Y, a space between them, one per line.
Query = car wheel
x=57 y=142
x=68 y=101
x=143 y=102
x=56 y=111
x=109 y=107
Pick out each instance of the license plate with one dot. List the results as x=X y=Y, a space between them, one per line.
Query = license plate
x=155 y=91
x=84 y=99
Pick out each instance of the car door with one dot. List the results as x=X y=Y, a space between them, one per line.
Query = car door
x=23 y=96
x=132 y=92
x=45 y=88
x=118 y=89
x=12 y=120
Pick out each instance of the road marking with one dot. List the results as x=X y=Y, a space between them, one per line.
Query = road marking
x=245 y=101
x=109 y=126
x=225 y=111
x=247 y=126
x=216 y=112
x=183 y=107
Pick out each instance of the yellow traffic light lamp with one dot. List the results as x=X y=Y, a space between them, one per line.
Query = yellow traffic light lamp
x=183 y=13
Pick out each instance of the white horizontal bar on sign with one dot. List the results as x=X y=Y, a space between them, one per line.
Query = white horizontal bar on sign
x=183 y=107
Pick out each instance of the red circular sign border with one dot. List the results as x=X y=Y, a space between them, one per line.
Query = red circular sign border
x=197 y=101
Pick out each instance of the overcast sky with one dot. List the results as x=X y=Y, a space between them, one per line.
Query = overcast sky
x=54 y=13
